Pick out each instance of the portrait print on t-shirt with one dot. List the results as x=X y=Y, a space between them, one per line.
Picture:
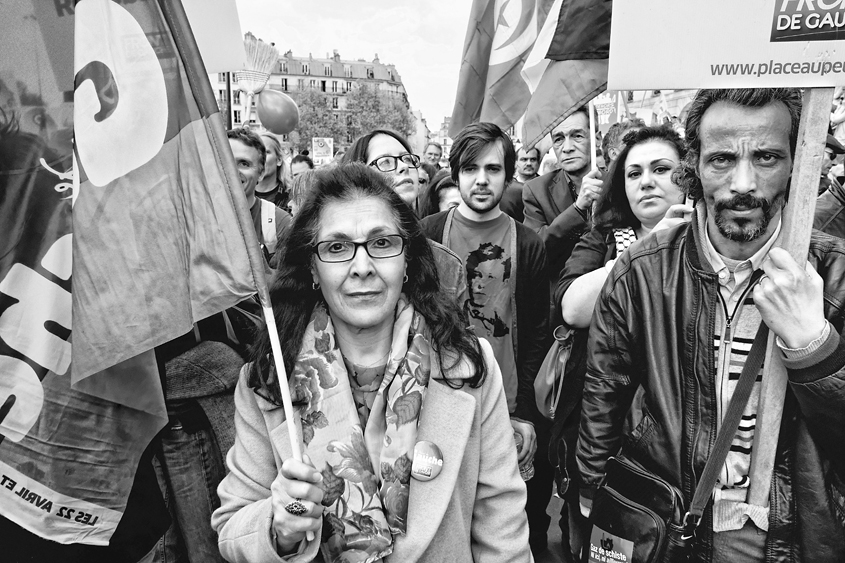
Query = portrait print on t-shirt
x=488 y=276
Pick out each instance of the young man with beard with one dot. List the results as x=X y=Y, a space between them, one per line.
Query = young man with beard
x=507 y=293
x=677 y=316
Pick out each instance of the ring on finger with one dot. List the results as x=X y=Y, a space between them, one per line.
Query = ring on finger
x=296 y=507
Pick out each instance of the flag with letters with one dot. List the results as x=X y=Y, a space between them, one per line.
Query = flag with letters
x=122 y=222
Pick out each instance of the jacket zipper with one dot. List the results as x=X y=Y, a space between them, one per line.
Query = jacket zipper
x=727 y=339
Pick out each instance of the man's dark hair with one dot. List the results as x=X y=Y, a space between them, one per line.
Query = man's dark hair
x=302 y=158
x=528 y=151
x=614 y=135
x=613 y=209
x=473 y=140
x=686 y=174
x=251 y=139
x=486 y=252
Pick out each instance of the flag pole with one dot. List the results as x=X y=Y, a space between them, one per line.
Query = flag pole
x=592 y=109
x=216 y=131
x=795 y=239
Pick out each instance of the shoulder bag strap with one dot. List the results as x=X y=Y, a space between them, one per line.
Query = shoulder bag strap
x=730 y=423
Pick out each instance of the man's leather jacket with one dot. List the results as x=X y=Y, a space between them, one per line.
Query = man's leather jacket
x=654 y=326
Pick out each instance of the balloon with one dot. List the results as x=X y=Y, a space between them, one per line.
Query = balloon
x=277 y=111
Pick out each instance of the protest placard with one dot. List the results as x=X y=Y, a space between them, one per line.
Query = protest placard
x=322 y=150
x=727 y=44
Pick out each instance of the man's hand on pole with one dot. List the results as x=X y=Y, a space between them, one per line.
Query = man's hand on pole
x=790 y=300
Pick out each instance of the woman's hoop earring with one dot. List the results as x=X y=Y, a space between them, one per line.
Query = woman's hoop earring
x=315 y=286
x=406 y=279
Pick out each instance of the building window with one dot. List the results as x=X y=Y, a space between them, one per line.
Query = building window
x=327 y=70
x=334 y=102
x=370 y=73
x=284 y=68
x=347 y=71
x=300 y=84
x=234 y=78
x=221 y=77
x=236 y=97
x=305 y=69
x=285 y=84
x=334 y=85
x=313 y=84
x=322 y=85
x=222 y=95
x=236 y=116
x=348 y=86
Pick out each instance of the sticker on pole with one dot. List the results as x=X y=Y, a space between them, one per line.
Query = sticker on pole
x=607 y=548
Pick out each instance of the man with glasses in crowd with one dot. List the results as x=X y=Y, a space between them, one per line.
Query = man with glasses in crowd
x=433 y=152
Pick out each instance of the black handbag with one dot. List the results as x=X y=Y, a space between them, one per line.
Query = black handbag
x=637 y=517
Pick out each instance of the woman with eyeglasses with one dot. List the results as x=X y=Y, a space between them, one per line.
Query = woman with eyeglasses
x=389 y=153
x=401 y=409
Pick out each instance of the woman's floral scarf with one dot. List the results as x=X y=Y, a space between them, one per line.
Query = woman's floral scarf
x=364 y=509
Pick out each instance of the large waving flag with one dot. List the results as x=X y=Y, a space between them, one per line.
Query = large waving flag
x=500 y=35
x=106 y=251
x=563 y=68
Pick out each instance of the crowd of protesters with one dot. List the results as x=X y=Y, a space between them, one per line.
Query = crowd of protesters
x=416 y=304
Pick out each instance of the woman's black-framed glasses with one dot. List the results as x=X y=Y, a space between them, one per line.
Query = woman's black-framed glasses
x=389 y=163
x=384 y=246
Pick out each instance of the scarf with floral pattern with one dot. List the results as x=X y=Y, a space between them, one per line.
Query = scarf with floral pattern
x=364 y=507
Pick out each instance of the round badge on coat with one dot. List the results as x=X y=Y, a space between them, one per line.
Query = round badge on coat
x=428 y=461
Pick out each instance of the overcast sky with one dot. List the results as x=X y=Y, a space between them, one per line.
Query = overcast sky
x=423 y=38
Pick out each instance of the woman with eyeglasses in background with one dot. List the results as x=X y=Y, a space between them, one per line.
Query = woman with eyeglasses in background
x=389 y=153
x=401 y=408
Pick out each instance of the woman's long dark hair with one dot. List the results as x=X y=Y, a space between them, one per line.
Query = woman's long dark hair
x=294 y=298
x=613 y=210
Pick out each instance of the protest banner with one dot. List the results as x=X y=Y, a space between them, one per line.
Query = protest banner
x=135 y=235
x=788 y=43
x=727 y=44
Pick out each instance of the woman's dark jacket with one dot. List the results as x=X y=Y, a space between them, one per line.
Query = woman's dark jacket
x=654 y=326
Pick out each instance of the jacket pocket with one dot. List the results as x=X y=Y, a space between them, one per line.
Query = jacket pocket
x=638 y=440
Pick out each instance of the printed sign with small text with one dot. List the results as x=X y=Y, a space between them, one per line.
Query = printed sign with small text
x=727 y=44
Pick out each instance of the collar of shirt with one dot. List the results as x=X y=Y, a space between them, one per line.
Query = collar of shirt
x=736 y=280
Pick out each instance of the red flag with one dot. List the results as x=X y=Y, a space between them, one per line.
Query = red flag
x=150 y=235
x=499 y=38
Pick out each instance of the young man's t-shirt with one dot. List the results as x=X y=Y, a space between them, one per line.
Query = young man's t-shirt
x=485 y=248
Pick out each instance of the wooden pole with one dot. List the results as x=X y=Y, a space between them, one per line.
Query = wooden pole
x=795 y=239
x=591 y=107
